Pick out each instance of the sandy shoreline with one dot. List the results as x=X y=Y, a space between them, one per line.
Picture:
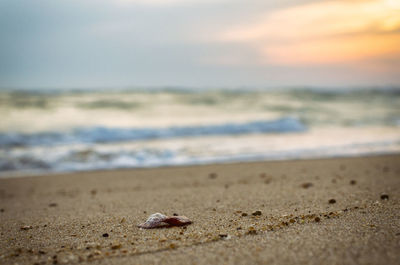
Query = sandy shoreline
x=65 y=216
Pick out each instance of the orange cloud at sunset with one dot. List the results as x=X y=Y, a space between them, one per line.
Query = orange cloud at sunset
x=325 y=32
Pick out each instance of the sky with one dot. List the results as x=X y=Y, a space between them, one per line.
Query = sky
x=199 y=43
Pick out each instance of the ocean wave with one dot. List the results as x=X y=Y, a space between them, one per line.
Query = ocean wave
x=83 y=158
x=107 y=135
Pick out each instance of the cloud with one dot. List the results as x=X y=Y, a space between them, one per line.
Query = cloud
x=165 y=2
x=323 y=32
x=197 y=42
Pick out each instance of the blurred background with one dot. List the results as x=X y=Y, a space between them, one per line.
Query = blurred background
x=101 y=84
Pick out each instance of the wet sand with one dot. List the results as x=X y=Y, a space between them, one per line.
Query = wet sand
x=330 y=211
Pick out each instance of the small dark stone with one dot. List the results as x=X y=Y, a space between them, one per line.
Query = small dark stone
x=53 y=204
x=223 y=235
x=105 y=235
x=317 y=219
x=41 y=252
x=353 y=182
x=385 y=197
x=2 y=210
x=251 y=231
x=307 y=185
x=239 y=228
x=256 y=213
x=213 y=175
x=332 y=201
x=175 y=214
x=244 y=214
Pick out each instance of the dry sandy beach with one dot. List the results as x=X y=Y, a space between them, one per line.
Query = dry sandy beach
x=328 y=211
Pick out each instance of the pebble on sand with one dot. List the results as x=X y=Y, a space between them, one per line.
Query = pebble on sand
x=251 y=231
x=116 y=245
x=212 y=175
x=332 y=201
x=307 y=185
x=26 y=227
x=384 y=197
x=105 y=235
x=353 y=182
x=256 y=213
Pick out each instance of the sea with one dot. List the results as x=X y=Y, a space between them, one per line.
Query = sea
x=50 y=131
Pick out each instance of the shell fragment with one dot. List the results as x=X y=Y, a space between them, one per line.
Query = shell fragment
x=158 y=220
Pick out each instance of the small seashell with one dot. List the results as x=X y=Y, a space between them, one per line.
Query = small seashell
x=158 y=220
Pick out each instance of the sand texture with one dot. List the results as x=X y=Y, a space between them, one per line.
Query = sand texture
x=331 y=211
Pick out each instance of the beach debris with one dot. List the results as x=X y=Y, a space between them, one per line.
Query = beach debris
x=116 y=245
x=26 y=227
x=158 y=220
x=317 y=219
x=384 y=197
x=256 y=213
x=244 y=214
x=353 y=182
x=307 y=185
x=53 y=204
x=224 y=236
x=105 y=235
x=251 y=231
x=212 y=175
x=267 y=181
x=332 y=201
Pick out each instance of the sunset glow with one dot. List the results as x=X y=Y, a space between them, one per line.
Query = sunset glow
x=199 y=43
x=327 y=32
